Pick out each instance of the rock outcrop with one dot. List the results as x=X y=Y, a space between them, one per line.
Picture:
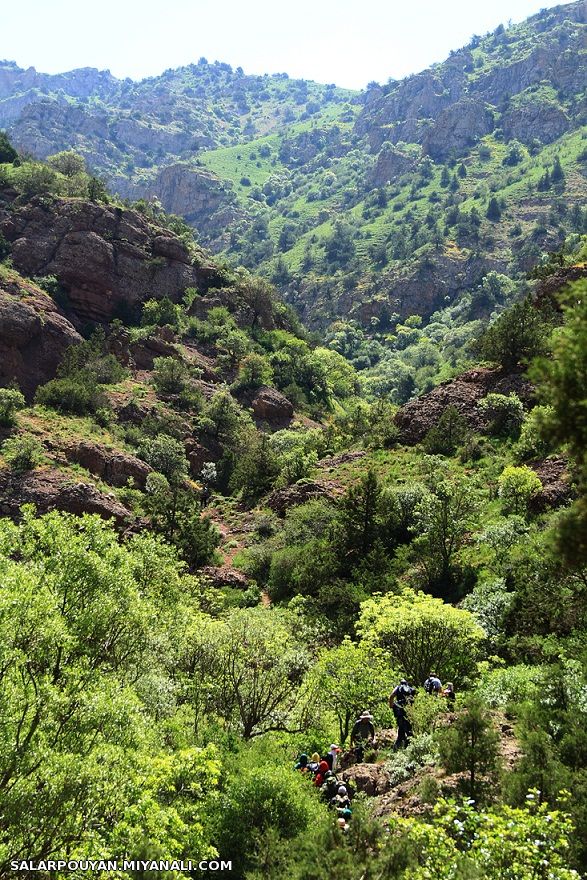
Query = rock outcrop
x=281 y=500
x=417 y=417
x=272 y=407
x=33 y=334
x=113 y=467
x=49 y=489
x=556 y=483
x=107 y=260
x=370 y=779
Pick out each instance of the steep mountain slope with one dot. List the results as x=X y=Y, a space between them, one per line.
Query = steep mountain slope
x=392 y=204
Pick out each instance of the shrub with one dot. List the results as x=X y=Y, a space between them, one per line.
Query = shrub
x=535 y=440
x=517 y=486
x=70 y=396
x=23 y=452
x=505 y=414
x=448 y=433
x=11 y=400
x=169 y=375
x=254 y=372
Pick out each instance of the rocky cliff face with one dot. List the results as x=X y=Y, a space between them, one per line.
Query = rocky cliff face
x=107 y=260
x=33 y=334
x=206 y=201
x=444 y=108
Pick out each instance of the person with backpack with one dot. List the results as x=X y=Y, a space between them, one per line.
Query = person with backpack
x=400 y=698
x=302 y=764
x=433 y=685
x=341 y=800
x=323 y=768
x=362 y=734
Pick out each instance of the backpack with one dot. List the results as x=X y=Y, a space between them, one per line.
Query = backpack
x=404 y=694
x=432 y=685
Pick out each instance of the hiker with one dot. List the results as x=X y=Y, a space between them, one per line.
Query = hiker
x=302 y=764
x=323 y=768
x=313 y=763
x=330 y=786
x=433 y=685
x=362 y=734
x=449 y=694
x=341 y=800
x=331 y=757
x=400 y=697
x=342 y=824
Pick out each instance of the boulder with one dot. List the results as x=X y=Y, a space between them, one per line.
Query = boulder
x=556 y=484
x=225 y=576
x=371 y=779
x=110 y=465
x=273 y=407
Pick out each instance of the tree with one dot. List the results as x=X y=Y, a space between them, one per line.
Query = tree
x=251 y=665
x=516 y=336
x=11 y=400
x=349 y=679
x=86 y=628
x=359 y=519
x=421 y=633
x=517 y=486
x=169 y=375
x=69 y=163
x=557 y=174
x=471 y=744
x=443 y=518
x=254 y=371
x=493 y=210
x=7 y=151
x=449 y=432
x=504 y=412
x=563 y=379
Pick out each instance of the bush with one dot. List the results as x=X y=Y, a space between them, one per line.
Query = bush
x=23 y=452
x=449 y=432
x=535 y=440
x=69 y=395
x=169 y=375
x=517 y=486
x=11 y=400
x=505 y=414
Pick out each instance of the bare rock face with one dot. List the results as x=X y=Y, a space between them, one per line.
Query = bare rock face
x=391 y=163
x=273 y=407
x=536 y=119
x=33 y=335
x=371 y=779
x=458 y=127
x=417 y=417
x=281 y=500
x=108 y=260
x=50 y=489
x=115 y=468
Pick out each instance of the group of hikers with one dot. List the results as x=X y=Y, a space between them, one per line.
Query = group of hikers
x=402 y=697
x=323 y=769
x=324 y=773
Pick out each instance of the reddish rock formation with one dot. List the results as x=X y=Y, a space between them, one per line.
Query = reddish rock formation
x=273 y=407
x=371 y=779
x=108 y=260
x=305 y=490
x=415 y=419
x=556 y=483
x=225 y=576
x=50 y=489
x=110 y=465
x=33 y=335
